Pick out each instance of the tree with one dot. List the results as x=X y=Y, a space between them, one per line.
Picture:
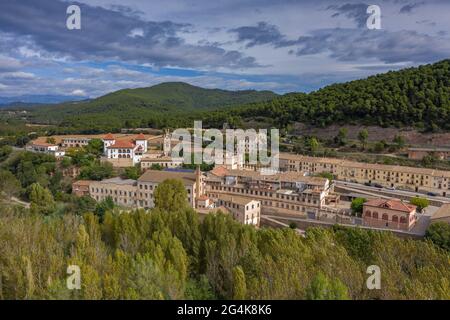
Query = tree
x=132 y=172
x=314 y=145
x=399 y=140
x=363 y=135
x=156 y=166
x=439 y=234
x=102 y=207
x=321 y=288
x=9 y=185
x=41 y=199
x=239 y=286
x=421 y=203
x=171 y=195
x=341 y=137
x=50 y=140
x=97 y=171
x=95 y=147
x=357 y=206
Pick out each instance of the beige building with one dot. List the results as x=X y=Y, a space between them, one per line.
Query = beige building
x=401 y=177
x=75 y=142
x=288 y=192
x=80 y=188
x=442 y=214
x=147 y=183
x=390 y=214
x=243 y=209
x=123 y=192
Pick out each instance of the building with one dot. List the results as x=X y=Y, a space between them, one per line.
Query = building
x=442 y=214
x=390 y=214
x=243 y=209
x=162 y=161
x=132 y=149
x=401 y=177
x=122 y=191
x=74 y=142
x=80 y=188
x=420 y=153
x=150 y=179
x=289 y=193
x=43 y=147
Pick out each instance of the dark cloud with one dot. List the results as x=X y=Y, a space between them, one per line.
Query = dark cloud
x=410 y=7
x=105 y=34
x=262 y=33
x=355 y=11
x=389 y=47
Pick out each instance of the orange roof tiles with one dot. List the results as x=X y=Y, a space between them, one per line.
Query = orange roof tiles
x=122 y=144
x=393 y=204
x=109 y=136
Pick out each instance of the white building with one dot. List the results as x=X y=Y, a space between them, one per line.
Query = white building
x=43 y=147
x=125 y=149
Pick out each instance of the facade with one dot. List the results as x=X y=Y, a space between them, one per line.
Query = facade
x=401 y=177
x=80 y=188
x=287 y=192
x=162 y=161
x=420 y=153
x=442 y=214
x=74 y=142
x=125 y=149
x=243 y=209
x=390 y=214
x=122 y=192
x=43 y=147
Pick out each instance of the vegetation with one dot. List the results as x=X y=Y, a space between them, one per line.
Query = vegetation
x=421 y=203
x=439 y=234
x=173 y=255
x=357 y=206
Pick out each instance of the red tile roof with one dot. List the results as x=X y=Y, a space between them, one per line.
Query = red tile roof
x=219 y=171
x=392 y=204
x=109 y=136
x=140 y=136
x=122 y=144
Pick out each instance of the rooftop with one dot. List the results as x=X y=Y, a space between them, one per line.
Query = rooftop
x=442 y=212
x=392 y=204
x=118 y=180
x=188 y=178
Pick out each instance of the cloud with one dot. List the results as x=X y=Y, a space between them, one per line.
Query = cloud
x=17 y=75
x=262 y=33
x=389 y=47
x=8 y=63
x=409 y=8
x=354 y=11
x=105 y=34
x=79 y=93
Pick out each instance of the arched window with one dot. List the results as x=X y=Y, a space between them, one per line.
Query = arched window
x=368 y=214
x=375 y=215
x=385 y=217
x=402 y=220
x=394 y=219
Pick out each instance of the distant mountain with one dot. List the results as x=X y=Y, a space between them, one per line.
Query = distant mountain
x=37 y=99
x=134 y=105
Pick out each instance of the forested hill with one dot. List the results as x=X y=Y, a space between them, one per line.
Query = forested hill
x=416 y=97
x=411 y=97
x=147 y=103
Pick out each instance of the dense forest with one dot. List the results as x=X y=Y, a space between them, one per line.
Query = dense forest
x=418 y=97
x=171 y=253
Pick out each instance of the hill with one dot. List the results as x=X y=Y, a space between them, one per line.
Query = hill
x=152 y=103
x=414 y=97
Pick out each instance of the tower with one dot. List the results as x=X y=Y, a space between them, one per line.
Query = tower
x=108 y=140
x=198 y=182
x=167 y=143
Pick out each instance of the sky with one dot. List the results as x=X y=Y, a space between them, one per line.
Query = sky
x=282 y=45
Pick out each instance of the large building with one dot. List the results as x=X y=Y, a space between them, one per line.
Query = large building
x=389 y=214
x=287 y=192
x=140 y=193
x=401 y=177
x=132 y=149
x=243 y=209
